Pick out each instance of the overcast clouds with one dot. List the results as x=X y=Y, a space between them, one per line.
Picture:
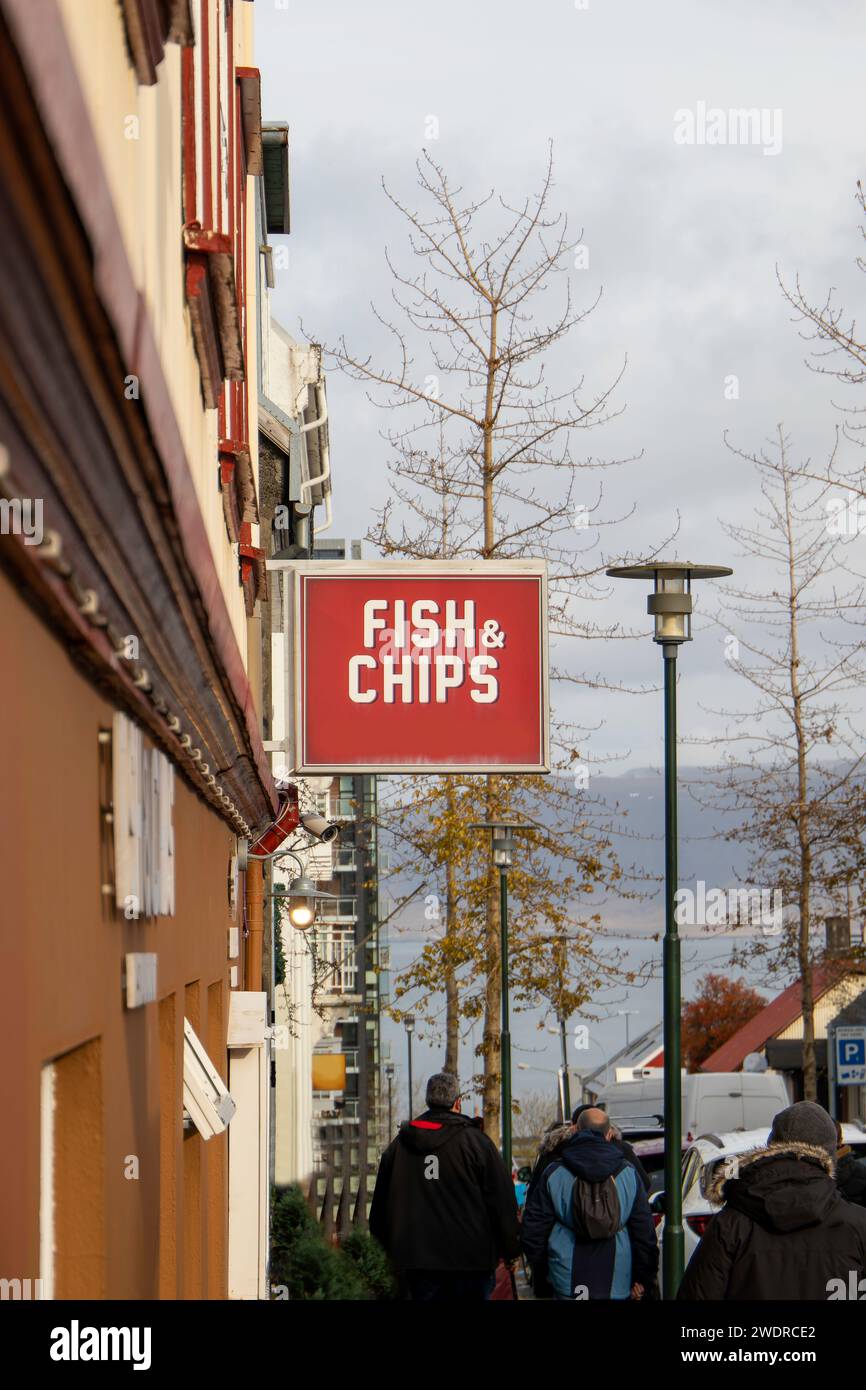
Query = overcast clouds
x=683 y=239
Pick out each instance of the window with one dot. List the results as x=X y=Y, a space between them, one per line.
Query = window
x=205 y=1096
x=346 y=859
x=338 y=909
x=338 y=964
x=143 y=810
x=691 y=1168
x=72 y=1237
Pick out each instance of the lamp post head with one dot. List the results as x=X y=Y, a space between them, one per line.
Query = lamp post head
x=671 y=600
x=302 y=895
x=503 y=848
x=502 y=839
x=410 y=1023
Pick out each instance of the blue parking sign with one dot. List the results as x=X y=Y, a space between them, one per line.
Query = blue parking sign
x=850 y=1048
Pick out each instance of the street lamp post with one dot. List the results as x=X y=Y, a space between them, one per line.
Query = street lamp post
x=566 y=1089
x=626 y=1014
x=549 y=1071
x=410 y=1029
x=389 y=1077
x=502 y=848
x=670 y=603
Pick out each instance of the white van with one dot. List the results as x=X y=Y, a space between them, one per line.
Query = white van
x=713 y=1102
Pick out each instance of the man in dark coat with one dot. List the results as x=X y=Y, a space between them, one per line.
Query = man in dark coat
x=785 y=1231
x=444 y=1206
x=591 y=1175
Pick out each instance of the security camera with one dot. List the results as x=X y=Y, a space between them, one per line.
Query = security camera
x=320 y=828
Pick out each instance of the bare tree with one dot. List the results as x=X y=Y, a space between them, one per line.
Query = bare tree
x=537 y=1111
x=840 y=350
x=484 y=465
x=798 y=781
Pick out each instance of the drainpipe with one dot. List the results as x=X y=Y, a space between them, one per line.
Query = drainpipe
x=255 y=926
x=322 y=417
x=310 y=483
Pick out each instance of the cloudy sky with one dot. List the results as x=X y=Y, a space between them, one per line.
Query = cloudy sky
x=683 y=239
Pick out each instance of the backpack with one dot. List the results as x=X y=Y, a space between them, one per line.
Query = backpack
x=595 y=1209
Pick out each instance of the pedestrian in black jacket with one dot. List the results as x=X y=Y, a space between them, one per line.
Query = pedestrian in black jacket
x=850 y=1172
x=785 y=1231
x=444 y=1206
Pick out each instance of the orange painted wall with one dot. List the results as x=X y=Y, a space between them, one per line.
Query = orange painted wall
x=61 y=954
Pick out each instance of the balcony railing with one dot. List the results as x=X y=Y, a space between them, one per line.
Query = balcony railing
x=338 y=963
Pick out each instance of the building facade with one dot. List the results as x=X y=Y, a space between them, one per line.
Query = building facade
x=134 y=1010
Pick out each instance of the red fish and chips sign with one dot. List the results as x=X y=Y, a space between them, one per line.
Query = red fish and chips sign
x=427 y=666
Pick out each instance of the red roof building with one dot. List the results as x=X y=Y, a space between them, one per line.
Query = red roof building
x=781 y=1014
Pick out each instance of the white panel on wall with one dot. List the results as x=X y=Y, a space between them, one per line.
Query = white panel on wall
x=143 y=797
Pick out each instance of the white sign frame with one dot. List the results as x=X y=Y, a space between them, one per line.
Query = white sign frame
x=855 y=1033
x=293 y=570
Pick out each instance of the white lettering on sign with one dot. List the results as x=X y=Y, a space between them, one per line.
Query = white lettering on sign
x=421 y=660
x=359 y=696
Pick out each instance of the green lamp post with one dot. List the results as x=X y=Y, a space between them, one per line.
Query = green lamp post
x=670 y=603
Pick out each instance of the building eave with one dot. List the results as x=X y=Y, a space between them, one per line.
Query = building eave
x=126 y=549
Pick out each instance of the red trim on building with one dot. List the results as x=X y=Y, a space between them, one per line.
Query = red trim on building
x=207 y=217
x=187 y=80
x=205 y=328
x=254 y=576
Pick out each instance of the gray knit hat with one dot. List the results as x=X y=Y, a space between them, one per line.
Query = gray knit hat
x=805 y=1123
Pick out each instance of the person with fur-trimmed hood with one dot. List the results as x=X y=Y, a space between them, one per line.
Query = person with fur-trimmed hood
x=784 y=1232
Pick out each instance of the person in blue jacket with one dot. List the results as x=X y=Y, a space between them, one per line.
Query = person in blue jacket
x=588 y=1219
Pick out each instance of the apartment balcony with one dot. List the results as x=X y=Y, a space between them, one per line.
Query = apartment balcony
x=338 y=971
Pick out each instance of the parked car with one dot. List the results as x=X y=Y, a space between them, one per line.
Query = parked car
x=651 y=1152
x=700 y=1161
x=713 y=1103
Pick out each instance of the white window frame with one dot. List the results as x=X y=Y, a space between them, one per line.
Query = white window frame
x=206 y=1097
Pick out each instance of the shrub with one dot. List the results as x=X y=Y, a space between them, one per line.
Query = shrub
x=313 y=1270
x=371 y=1263
x=302 y=1259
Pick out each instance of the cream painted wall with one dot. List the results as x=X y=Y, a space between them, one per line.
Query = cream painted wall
x=294 y=1058
x=138 y=130
x=827 y=1008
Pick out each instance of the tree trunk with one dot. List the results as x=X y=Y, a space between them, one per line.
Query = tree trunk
x=492 y=990
x=492 y=1044
x=804 y=956
x=492 y=1017
x=452 y=1041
